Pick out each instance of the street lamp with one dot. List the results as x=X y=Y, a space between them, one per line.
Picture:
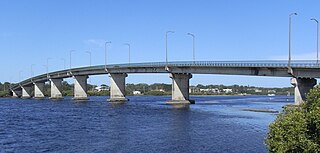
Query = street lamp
x=127 y=44
x=167 y=47
x=289 y=62
x=48 y=67
x=317 y=39
x=89 y=52
x=70 y=57
x=193 y=39
x=105 y=54
x=31 y=70
x=64 y=63
x=20 y=75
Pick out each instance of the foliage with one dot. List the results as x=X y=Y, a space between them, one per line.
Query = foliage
x=4 y=93
x=297 y=129
x=157 y=93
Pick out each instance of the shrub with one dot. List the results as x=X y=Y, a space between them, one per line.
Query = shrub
x=297 y=129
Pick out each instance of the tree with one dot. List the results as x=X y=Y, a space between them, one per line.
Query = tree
x=297 y=129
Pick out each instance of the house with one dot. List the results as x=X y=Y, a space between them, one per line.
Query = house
x=136 y=92
x=101 y=88
x=227 y=90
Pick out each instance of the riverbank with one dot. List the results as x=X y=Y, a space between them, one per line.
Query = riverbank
x=260 y=110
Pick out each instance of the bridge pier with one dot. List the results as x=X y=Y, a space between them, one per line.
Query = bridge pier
x=301 y=88
x=16 y=93
x=26 y=91
x=180 y=89
x=39 y=90
x=117 y=87
x=56 y=88
x=80 y=87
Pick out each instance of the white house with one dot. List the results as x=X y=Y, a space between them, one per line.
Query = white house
x=227 y=90
x=137 y=92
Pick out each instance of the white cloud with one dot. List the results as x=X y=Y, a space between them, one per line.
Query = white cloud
x=95 y=42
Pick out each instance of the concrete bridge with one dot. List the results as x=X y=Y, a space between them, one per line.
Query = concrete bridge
x=302 y=73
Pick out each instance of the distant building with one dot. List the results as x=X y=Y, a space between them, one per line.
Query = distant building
x=257 y=90
x=272 y=91
x=227 y=90
x=101 y=88
x=214 y=90
x=193 y=89
x=136 y=92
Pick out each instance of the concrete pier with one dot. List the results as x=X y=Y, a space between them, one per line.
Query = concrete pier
x=56 y=89
x=39 y=90
x=26 y=91
x=180 y=89
x=301 y=88
x=16 y=93
x=117 y=87
x=80 y=87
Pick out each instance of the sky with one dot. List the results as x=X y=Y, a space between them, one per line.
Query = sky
x=33 y=31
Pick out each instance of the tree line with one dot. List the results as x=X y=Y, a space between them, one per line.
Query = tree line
x=162 y=89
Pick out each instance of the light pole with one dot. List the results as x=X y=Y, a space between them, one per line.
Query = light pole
x=193 y=48
x=105 y=54
x=127 y=44
x=317 y=39
x=20 y=75
x=89 y=52
x=70 y=57
x=64 y=63
x=48 y=67
x=31 y=70
x=167 y=47
x=289 y=61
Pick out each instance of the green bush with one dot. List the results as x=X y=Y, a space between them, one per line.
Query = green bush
x=157 y=93
x=4 y=93
x=297 y=129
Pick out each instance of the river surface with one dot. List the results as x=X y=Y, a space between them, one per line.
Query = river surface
x=145 y=124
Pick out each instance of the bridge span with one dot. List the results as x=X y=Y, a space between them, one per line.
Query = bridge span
x=302 y=73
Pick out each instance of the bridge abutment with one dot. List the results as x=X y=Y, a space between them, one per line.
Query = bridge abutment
x=80 y=87
x=39 y=90
x=26 y=91
x=301 y=88
x=56 y=89
x=180 y=89
x=117 y=87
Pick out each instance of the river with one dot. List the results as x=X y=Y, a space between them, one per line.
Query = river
x=144 y=124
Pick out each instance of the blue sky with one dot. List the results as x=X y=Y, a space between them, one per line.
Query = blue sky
x=34 y=30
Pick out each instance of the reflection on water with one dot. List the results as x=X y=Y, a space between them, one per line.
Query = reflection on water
x=144 y=124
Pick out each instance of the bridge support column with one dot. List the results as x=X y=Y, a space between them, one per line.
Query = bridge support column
x=39 y=90
x=80 y=87
x=16 y=93
x=117 y=87
x=180 y=89
x=26 y=91
x=56 y=88
x=301 y=88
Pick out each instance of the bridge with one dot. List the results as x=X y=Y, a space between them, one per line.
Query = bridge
x=302 y=73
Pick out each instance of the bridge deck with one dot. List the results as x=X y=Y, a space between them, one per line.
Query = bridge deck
x=307 y=69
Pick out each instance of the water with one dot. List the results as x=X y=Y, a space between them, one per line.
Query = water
x=145 y=124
